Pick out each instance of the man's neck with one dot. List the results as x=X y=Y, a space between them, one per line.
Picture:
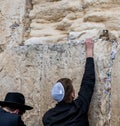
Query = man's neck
x=16 y=111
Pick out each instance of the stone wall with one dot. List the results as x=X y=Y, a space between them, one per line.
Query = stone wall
x=43 y=40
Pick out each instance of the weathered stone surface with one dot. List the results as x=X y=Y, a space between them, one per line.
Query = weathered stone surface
x=115 y=102
x=43 y=40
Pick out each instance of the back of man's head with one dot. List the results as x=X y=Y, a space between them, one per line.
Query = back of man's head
x=61 y=91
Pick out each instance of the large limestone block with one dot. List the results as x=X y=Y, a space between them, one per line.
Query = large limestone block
x=51 y=21
x=43 y=40
x=33 y=69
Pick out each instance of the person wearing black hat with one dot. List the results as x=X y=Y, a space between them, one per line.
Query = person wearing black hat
x=12 y=108
x=69 y=111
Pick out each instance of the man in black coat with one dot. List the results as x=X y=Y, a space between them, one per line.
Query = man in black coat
x=70 y=112
x=12 y=108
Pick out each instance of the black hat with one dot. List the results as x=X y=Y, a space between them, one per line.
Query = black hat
x=15 y=99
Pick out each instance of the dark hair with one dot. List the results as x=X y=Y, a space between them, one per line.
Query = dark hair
x=68 y=87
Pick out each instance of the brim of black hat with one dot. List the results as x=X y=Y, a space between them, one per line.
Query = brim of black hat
x=20 y=106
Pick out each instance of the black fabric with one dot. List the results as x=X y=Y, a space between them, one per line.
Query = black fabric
x=9 y=119
x=75 y=113
x=15 y=99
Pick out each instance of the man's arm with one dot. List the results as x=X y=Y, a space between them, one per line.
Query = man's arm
x=88 y=81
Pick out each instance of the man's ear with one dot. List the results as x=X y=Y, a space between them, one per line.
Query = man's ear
x=73 y=95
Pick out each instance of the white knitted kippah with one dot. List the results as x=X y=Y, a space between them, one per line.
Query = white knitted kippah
x=58 y=92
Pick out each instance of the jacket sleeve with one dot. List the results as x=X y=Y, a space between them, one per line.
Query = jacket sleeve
x=20 y=122
x=87 y=85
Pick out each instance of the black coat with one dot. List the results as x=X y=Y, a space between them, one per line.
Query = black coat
x=10 y=119
x=74 y=113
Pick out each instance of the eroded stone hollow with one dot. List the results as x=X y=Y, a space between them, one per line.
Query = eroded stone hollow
x=43 y=40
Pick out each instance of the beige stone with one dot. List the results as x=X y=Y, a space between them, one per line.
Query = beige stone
x=115 y=102
x=42 y=40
